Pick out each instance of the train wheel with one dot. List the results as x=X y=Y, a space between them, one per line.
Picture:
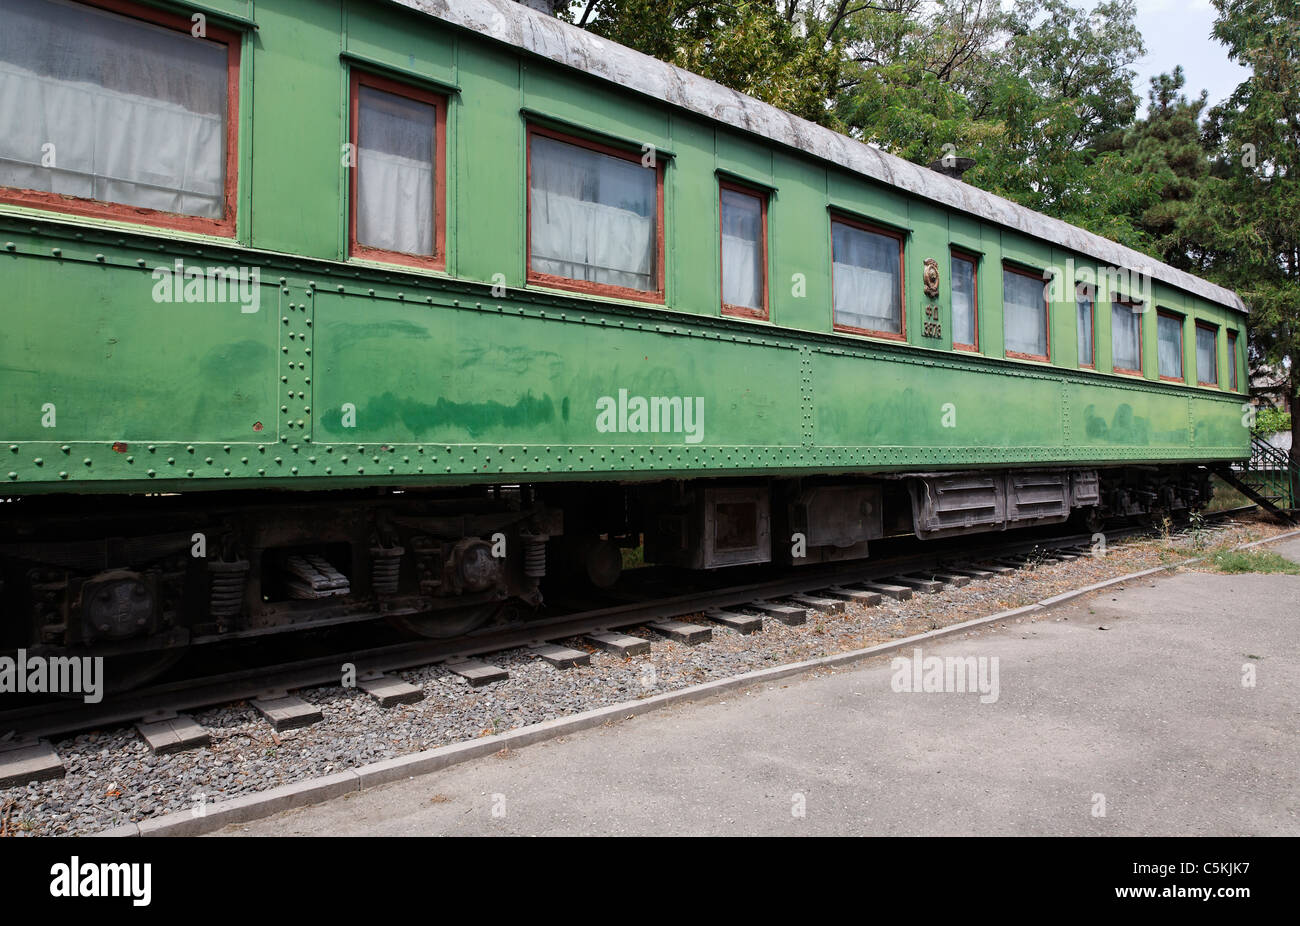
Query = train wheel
x=441 y=625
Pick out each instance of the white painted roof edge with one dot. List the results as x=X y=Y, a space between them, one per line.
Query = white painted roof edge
x=514 y=24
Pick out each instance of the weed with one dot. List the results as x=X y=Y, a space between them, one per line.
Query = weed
x=1239 y=561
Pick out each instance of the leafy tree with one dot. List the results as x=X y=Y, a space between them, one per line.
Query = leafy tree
x=771 y=50
x=1062 y=87
x=1247 y=215
x=911 y=66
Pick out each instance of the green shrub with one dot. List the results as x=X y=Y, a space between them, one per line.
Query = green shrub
x=1238 y=561
x=1269 y=420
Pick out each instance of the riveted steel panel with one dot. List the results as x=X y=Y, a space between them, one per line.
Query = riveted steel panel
x=894 y=400
x=107 y=353
x=455 y=376
x=1117 y=415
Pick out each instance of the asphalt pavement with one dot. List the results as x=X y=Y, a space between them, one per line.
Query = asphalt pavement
x=1164 y=707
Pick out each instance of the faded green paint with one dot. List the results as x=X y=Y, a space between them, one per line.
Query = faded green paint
x=452 y=383
x=472 y=376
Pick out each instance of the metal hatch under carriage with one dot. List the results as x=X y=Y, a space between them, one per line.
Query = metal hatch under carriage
x=951 y=504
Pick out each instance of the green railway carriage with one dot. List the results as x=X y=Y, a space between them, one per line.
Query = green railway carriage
x=471 y=281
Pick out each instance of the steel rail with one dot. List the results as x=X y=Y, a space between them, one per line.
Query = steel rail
x=64 y=716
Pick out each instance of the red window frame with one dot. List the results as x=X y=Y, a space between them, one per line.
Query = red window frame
x=901 y=335
x=1232 y=357
x=1141 y=360
x=1088 y=294
x=974 y=261
x=1182 y=345
x=99 y=209
x=1214 y=330
x=585 y=286
x=438 y=261
x=743 y=311
x=1042 y=278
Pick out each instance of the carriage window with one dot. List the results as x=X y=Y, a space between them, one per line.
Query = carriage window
x=98 y=108
x=1126 y=337
x=594 y=217
x=397 y=193
x=744 y=252
x=1087 y=341
x=965 y=303
x=1207 y=355
x=867 y=280
x=1232 y=360
x=1024 y=314
x=1169 y=343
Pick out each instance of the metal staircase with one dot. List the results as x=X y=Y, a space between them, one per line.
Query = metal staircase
x=1271 y=479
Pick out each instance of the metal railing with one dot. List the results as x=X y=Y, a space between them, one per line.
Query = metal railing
x=1272 y=473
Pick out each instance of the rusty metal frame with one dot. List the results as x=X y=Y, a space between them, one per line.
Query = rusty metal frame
x=1041 y=277
x=870 y=228
x=763 y=312
x=1234 y=382
x=438 y=260
x=970 y=257
x=1214 y=330
x=585 y=286
x=1133 y=306
x=101 y=209
x=1182 y=345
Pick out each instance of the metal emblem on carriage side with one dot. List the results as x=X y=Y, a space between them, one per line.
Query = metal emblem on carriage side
x=931 y=278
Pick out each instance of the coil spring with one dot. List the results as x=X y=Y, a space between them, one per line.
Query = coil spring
x=227 y=594
x=535 y=557
x=386 y=569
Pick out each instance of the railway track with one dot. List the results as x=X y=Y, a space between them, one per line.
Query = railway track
x=789 y=598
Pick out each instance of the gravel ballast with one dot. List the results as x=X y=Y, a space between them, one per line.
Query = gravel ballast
x=112 y=778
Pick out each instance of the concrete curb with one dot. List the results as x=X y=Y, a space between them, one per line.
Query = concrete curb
x=316 y=790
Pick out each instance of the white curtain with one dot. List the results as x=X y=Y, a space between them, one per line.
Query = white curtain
x=396 y=138
x=1024 y=314
x=963 y=301
x=1207 y=356
x=865 y=279
x=1084 y=306
x=592 y=216
x=742 y=243
x=1125 y=336
x=96 y=105
x=1169 y=346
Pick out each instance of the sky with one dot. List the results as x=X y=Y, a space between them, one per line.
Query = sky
x=1178 y=32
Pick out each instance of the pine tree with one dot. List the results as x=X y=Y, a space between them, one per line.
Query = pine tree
x=1247 y=216
x=1166 y=148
